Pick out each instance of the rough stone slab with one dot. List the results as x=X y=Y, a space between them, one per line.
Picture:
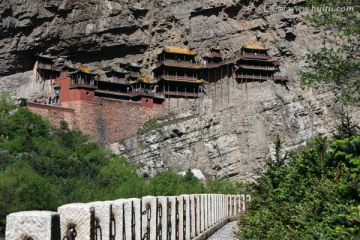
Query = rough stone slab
x=39 y=225
x=149 y=211
x=132 y=218
x=78 y=214
x=102 y=215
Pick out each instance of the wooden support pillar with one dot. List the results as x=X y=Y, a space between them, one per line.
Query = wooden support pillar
x=215 y=87
x=186 y=99
x=227 y=74
x=221 y=86
x=177 y=96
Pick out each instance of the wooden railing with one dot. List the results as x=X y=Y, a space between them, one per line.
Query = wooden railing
x=243 y=76
x=257 y=67
x=177 y=77
x=258 y=77
x=256 y=56
x=181 y=63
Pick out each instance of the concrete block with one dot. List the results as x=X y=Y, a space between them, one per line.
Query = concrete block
x=79 y=215
x=162 y=222
x=172 y=218
x=38 y=225
x=148 y=211
x=102 y=218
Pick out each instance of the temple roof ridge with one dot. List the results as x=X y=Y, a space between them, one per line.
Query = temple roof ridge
x=256 y=47
x=178 y=50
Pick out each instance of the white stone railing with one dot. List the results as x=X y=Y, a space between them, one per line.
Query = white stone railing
x=177 y=217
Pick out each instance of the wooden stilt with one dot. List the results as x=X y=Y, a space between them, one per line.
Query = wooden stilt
x=169 y=98
x=227 y=74
x=221 y=86
x=215 y=88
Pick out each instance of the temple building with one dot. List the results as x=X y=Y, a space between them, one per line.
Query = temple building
x=116 y=83
x=215 y=67
x=178 y=73
x=213 y=58
x=47 y=67
x=255 y=64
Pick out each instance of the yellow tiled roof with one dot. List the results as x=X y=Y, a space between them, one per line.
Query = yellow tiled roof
x=255 y=47
x=178 y=50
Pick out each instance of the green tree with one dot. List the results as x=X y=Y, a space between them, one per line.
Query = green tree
x=164 y=184
x=346 y=127
x=21 y=188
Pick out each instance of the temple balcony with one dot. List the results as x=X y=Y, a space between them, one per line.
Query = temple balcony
x=83 y=84
x=253 y=77
x=181 y=63
x=257 y=67
x=256 y=56
x=177 y=77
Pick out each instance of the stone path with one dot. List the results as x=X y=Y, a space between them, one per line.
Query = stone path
x=227 y=232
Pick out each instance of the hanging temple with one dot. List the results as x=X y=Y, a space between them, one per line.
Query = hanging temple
x=177 y=74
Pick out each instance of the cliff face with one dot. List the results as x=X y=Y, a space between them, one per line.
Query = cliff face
x=235 y=137
x=234 y=131
x=101 y=32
